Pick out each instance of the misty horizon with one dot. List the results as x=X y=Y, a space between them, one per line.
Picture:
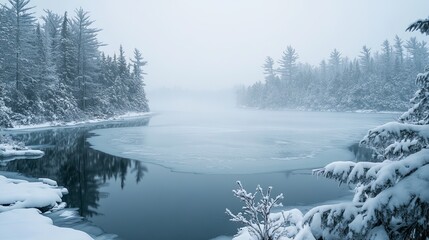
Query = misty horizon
x=184 y=41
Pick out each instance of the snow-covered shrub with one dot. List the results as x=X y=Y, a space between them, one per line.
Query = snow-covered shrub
x=256 y=217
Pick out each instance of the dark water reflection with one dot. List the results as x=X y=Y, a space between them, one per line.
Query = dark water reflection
x=72 y=163
x=138 y=201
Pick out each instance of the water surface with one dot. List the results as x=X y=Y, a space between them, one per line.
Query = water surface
x=171 y=178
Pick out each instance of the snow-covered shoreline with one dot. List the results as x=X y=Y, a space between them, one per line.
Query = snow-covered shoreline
x=126 y=116
x=304 y=109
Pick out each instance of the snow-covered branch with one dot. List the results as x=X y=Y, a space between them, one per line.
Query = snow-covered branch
x=391 y=194
x=396 y=140
x=257 y=214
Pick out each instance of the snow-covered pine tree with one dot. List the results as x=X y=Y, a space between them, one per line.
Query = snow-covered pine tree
x=288 y=64
x=391 y=198
x=6 y=44
x=52 y=26
x=22 y=25
x=272 y=85
x=137 y=89
x=66 y=55
x=87 y=54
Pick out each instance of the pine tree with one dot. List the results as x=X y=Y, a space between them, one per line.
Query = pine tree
x=399 y=54
x=66 y=55
x=137 y=93
x=386 y=55
x=86 y=51
x=53 y=26
x=7 y=40
x=365 y=59
x=288 y=63
x=335 y=62
x=22 y=28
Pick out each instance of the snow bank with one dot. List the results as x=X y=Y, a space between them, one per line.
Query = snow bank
x=70 y=218
x=15 y=194
x=30 y=224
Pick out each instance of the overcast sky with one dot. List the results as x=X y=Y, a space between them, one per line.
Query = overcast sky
x=216 y=44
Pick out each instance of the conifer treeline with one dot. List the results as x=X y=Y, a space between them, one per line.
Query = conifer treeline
x=53 y=70
x=376 y=80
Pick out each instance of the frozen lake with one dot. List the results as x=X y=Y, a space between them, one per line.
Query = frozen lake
x=241 y=141
x=172 y=178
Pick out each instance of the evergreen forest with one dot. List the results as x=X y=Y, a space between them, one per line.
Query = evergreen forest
x=378 y=80
x=52 y=69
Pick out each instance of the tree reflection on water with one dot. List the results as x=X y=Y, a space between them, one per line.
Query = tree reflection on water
x=71 y=161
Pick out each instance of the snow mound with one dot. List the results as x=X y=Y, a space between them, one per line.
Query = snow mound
x=30 y=224
x=70 y=218
x=16 y=194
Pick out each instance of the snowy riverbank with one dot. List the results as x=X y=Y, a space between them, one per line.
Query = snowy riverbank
x=126 y=116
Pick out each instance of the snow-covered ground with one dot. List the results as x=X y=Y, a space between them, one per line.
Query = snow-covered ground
x=20 y=217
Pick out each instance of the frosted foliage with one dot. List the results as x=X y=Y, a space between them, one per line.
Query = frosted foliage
x=256 y=213
x=290 y=223
x=391 y=195
x=396 y=140
x=419 y=112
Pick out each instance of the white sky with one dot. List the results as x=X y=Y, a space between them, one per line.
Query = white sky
x=216 y=44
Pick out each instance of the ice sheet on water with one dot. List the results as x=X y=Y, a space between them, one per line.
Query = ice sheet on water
x=241 y=142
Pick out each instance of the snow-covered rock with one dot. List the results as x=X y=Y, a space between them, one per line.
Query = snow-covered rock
x=15 y=194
